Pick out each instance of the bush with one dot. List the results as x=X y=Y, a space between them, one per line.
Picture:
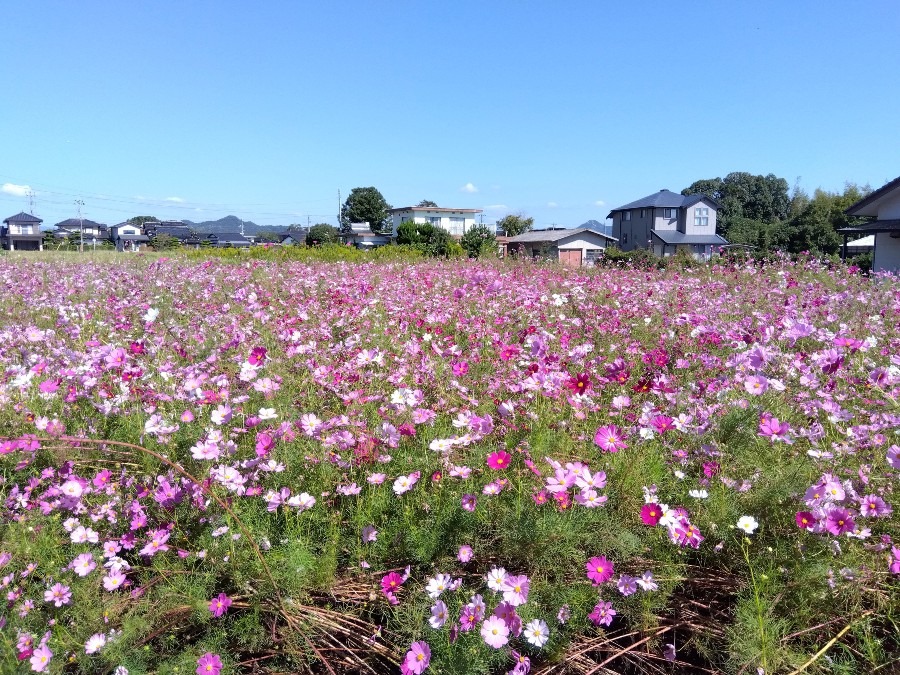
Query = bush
x=479 y=241
x=640 y=258
x=322 y=234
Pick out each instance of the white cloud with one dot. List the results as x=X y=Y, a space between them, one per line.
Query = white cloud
x=599 y=202
x=15 y=190
x=552 y=205
x=468 y=187
x=177 y=200
x=496 y=207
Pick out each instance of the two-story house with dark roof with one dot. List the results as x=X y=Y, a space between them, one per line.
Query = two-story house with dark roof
x=76 y=228
x=22 y=232
x=667 y=222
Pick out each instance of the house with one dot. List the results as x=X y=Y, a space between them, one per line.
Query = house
x=76 y=228
x=884 y=206
x=667 y=222
x=172 y=228
x=572 y=247
x=456 y=221
x=228 y=240
x=22 y=232
x=361 y=236
x=128 y=237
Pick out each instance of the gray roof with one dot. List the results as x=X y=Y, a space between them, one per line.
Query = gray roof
x=858 y=207
x=675 y=237
x=228 y=236
x=22 y=217
x=664 y=199
x=555 y=235
x=75 y=224
x=133 y=237
x=875 y=226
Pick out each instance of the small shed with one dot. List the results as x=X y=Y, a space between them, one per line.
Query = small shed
x=572 y=247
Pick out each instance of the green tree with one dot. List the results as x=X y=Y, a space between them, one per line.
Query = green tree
x=479 y=241
x=141 y=220
x=432 y=241
x=743 y=195
x=164 y=242
x=515 y=224
x=322 y=233
x=268 y=236
x=366 y=205
x=814 y=223
x=426 y=203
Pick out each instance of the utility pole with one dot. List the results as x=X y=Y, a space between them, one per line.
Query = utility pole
x=339 y=210
x=31 y=202
x=80 y=203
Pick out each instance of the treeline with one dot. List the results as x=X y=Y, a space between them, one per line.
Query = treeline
x=763 y=212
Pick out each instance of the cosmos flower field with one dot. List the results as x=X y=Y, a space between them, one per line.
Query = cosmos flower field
x=448 y=467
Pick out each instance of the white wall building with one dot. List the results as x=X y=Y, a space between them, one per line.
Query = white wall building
x=456 y=221
x=884 y=205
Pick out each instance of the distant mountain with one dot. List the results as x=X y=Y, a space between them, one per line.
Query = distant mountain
x=229 y=224
x=598 y=227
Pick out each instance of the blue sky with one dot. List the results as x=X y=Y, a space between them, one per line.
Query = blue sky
x=561 y=111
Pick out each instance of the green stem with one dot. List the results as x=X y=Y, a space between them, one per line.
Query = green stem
x=760 y=615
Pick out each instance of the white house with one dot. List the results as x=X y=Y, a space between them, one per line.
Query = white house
x=667 y=222
x=456 y=221
x=572 y=247
x=884 y=206
x=128 y=237
x=22 y=232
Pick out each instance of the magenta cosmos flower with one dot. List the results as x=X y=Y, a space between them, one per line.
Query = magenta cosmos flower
x=209 y=664
x=599 y=570
x=610 y=438
x=603 y=614
x=219 y=605
x=499 y=459
x=650 y=514
x=417 y=658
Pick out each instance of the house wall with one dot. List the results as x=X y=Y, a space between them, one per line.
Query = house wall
x=889 y=209
x=689 y=214
x=887 y=253
x=660 y=222
x=583 y=242
x=426 y=215
x=633 y=233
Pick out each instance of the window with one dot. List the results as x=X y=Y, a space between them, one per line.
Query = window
x=701 y=216
x=642 y=213
x=670 y=213
x=626 y=215
x=592 y=255
x=435 y=220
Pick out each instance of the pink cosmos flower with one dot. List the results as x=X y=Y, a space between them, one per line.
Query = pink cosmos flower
x=603 y=614
x=465 y=553
x=219 y=605
x=417 y=658
x=41 y=659
x=839 y=521
x=771 y=428
x=113 y=580
x=895 y=563
x=627 y=585
x=495 y=632
x=599 y=570
x=609 y=438
x=469 y=502
x=58 y=594
x=209 y=664
x=499 y=459
x=756 y=385
x=84 y=564
x=515 y=589
x=875 y=507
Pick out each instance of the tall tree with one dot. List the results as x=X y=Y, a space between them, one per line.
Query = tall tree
x=814 y=223
x=515 y=224
x=322 y=233
x=479 y=241
x=425 y=203
x=366 y=204
x=743 y=195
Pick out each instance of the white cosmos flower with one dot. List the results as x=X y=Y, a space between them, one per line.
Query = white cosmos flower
x=267 y=414
x=748 y=524
x=537 y=633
